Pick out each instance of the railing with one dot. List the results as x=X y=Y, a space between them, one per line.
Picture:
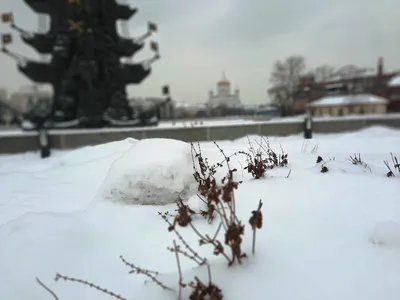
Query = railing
x=17 y=141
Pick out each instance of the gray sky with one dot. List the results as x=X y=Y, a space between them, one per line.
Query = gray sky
x=201 y=38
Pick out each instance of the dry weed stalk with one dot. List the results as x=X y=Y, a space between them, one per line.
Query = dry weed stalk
x=396 y=166
x=150 y=274
x=220 y=200
x=356 y=160
x=256 y=222
x=204 y=174
x=200 y=290
x=324 y=169
x=263 y=158
x=46 y=288
x=89 y=284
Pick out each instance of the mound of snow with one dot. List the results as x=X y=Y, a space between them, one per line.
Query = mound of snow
x=153 y=171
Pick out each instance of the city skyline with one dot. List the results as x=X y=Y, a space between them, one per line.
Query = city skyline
x=201 y=39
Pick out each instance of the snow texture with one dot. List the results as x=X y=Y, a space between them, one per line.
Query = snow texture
x=328 y=236
x=349 y=100
x=387 y=234
x=395 y=81
x=152 y=171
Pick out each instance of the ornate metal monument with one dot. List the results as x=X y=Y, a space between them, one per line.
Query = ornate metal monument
x=85 y=70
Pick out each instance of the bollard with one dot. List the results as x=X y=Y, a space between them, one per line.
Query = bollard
x=44 y=143
x=308 y=124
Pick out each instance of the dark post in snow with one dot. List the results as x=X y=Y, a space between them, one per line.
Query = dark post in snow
x=308 y=130
x=44 y=143
x=167 y=101
x=166 y=93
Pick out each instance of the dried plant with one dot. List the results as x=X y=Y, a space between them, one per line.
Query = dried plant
x=204 y=174
x=324 y=169
x=315 y=149
x=263 y=158
x=357 y=161
x=396 y=166
x=150 y=274
x=183 y=216
x=46 y=288
x=89 y=284
x=305 y=145
x=220 y=199
x=201 y=291
x=256 y=222
x=319 y=159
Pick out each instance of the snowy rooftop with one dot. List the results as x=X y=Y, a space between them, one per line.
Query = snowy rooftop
x=395 y=81
x=349 y=100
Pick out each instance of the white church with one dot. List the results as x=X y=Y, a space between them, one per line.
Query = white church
x=224 y=95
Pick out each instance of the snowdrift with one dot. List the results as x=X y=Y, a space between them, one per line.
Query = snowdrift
x=333 y=235
x=153 y=171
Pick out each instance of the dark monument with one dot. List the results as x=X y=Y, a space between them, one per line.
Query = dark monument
x=85 y=71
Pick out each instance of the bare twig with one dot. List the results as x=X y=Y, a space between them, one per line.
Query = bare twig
x=92 y=285
x=46 y=288
x=256 y=222
x=178 y=263
x=150 y=274
x=199 y=259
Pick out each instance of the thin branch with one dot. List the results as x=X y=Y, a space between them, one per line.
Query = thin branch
x=90 y=284
x=47 y=288
x=145 y=272
x=178 y=263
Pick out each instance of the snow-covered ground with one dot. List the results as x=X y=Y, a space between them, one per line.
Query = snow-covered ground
x=331 y=235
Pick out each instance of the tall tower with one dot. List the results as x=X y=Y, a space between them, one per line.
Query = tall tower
x=85 y=71
x=224 y=86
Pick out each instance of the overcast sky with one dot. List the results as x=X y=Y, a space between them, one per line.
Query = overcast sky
x=199 y=39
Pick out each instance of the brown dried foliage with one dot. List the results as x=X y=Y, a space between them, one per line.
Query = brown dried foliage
x=183 y=216
x=208 y=187
x=220 y=200
x=263 y=158
x=201 y=291
x=256 y=222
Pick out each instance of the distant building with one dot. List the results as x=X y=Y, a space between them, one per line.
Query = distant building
x=166 y=112
x=347 y=105
x=31 y=98
x=350 y=80
x=224 y=96
x=185 y=110
x=393 y=93
x=262 y=110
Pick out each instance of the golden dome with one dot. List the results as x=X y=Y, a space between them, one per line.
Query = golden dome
x=224 y=80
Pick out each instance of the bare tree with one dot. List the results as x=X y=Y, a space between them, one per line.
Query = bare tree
x=323 y=73
x=285 y=79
